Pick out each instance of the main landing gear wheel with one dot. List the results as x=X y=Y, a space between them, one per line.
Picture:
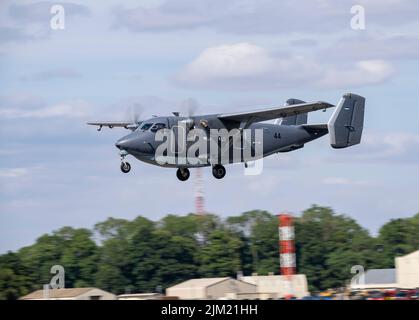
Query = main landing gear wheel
x=125 y=167
x=183 y=174
x=218 y=171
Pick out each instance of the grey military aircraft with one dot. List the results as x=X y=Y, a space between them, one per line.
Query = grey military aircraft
x=292 y=133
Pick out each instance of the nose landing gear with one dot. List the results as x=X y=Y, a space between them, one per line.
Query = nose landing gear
x=125 y=167
x=182 y=174
x=218 y=171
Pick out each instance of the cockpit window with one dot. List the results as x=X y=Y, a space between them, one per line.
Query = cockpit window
x=157 y=127
x=145 y=126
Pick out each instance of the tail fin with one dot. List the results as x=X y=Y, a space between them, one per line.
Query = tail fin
x=295 y=119
x=346 y=124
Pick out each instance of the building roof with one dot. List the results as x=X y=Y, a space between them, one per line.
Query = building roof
x=199 y=283
x=57 y=293
x=380 y=276
x=270 y=277
x=410 y=255
x=139 y=295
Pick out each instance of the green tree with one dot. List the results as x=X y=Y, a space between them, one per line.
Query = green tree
x=115 y=254
x=13 y=278
x=398 y=237
x=260 y=229
x=141 y=255
x=328 y=245
x=220 y=257
x=37 y=260
x=78 y=256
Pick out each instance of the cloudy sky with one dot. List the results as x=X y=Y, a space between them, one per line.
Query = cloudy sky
x=228 y=56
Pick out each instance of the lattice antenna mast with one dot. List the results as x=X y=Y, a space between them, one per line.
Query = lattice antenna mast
x=199 y=193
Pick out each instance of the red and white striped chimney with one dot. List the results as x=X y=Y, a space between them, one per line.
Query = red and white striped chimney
x=286 y=244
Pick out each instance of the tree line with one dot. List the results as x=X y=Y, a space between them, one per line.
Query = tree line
x=141 y=255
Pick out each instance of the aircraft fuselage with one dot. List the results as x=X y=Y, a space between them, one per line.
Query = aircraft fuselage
x=276 y=138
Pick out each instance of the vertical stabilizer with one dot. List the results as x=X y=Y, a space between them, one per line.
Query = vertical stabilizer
x=347 y=121
x=295 y=119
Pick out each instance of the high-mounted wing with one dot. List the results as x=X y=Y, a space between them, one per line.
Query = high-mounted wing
x=114 y=124
x=244 y=119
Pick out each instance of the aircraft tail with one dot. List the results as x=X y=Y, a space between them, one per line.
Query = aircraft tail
x=295 y=119
x=347 y=121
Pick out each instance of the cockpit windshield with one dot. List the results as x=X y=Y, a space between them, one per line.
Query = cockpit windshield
x=153 y=127
x=145 y=126
x=157 y=127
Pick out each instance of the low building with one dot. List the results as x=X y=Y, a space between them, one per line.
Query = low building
x=407 y=271
x=377 y=279
x=404 y=276
x=140 y=296
x=277 y=286
x=70 y=294
x=210 y=288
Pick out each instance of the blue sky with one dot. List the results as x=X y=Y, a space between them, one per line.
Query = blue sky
x=56 y=171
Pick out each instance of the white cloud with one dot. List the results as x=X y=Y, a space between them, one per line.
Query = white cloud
x=392 y=144
x=262 y=185
x=366 y=45
x=39 y=12
x=383 y=148
x=63 y=73
x=343 y=181
x=363 y=72
x=145 y=19
x=8 y=34
x=77 y=108
x=13 y=172
x=263 y=16
x=230 y=61
x=247 y=66
x=31 y=21
x=21 y=100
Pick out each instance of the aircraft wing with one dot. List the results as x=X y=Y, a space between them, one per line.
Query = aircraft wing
x=114 y=124
x=244 y=119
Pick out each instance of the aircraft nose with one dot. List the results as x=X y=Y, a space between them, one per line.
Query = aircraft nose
x=127 y=142
x=119 y=144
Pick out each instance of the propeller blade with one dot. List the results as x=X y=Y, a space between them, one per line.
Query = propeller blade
x=189 y=107
x=134 y=112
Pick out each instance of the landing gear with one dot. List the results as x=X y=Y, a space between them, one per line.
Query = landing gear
x=125 y=167
x=218 y=171
x=183 y=174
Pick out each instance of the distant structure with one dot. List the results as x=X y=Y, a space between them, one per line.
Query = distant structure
x=210 y=288
x=404 y=276
x=71 y=294
x=377 y=279
x=140 y=296
x=407 y=270
x=286 y=244
x=287 y=252
x=199 y=194
x=244 y=288
x=276 y=286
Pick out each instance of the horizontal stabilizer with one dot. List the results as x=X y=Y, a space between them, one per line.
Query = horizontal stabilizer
x=312 y=128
